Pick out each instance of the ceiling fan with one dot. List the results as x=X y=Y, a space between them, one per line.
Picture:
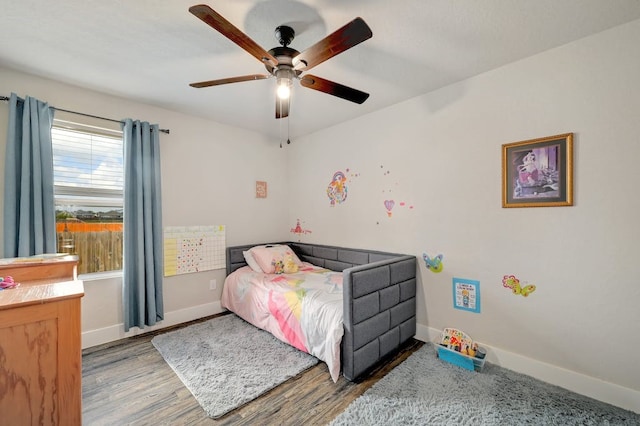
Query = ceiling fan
x=287 y=64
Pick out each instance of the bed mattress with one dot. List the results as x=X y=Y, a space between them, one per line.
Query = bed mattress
x=303 y=309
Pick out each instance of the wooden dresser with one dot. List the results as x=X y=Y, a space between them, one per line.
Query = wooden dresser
x=40 y=342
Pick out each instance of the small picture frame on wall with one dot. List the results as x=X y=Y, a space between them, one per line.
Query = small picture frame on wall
x=538 y=172
x=261 y=189
x=466 y=295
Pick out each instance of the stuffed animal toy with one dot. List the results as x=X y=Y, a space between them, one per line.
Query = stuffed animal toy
x=290 y=266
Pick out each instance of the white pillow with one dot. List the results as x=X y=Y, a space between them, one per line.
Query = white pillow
x=248 y=257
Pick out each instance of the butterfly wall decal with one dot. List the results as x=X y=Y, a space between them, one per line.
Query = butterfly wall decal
x=510 y=281
x=435 y=264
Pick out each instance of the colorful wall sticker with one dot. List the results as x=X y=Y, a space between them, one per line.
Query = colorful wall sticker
x=435 y=264
x=387 y=190
x=352 y=174
x=510 y=281
x=388 y=204
x=337 y=189
x=298 y=230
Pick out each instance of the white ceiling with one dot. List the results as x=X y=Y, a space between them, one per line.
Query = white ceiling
x=150 y=51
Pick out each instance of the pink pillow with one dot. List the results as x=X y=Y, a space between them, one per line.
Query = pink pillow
x=248 y=257
x=271 y=258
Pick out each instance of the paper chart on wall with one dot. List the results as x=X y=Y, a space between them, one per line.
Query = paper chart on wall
x=190 y=249
x=466 y=294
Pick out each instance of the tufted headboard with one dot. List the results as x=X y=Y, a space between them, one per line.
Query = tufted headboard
x=330 y=257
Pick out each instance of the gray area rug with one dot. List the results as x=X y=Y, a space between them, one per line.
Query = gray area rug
x=425 y=390
x=226 y=362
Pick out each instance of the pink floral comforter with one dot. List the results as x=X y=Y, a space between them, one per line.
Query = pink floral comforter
x=303 y=309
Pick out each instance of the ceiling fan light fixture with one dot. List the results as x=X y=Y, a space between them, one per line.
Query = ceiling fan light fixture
x=284 y=77
x=284 y=88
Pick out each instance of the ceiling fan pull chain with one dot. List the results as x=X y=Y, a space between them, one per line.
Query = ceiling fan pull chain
x=280 y=123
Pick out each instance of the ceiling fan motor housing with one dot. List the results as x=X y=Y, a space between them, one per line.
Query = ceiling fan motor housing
x=285 y=35
x=285 y=56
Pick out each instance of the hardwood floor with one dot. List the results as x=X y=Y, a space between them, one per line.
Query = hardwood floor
x=129 y=383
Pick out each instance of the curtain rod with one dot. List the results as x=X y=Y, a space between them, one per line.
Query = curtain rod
x=5 y=98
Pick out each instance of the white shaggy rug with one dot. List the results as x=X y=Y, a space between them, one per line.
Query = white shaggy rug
x=425 y=390
x=226 y=362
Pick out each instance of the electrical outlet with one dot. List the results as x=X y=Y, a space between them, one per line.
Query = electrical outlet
x=213 y=284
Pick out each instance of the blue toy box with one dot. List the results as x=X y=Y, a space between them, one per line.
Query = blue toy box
x=459 y=359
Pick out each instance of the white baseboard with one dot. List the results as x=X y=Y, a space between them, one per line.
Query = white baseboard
x=116 y=332
x=610 y=393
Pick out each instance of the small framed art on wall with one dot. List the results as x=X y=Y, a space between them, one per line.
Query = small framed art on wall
x=538 y=172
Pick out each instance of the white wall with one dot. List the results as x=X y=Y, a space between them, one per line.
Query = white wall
x=441 y=153
x=208 y=178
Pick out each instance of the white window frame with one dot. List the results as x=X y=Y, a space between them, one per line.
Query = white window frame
x=83 y=196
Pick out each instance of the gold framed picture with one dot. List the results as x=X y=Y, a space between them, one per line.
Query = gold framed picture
x=538 y=172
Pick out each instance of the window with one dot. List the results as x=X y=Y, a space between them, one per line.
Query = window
x=88 y=189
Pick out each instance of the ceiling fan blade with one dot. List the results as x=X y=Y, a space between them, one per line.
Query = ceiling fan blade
x=229 y=80
x=282 y=107
x=355 y=32
x=227 y=29
x=335 y=89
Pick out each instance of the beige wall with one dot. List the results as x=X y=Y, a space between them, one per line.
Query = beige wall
x=442 y=152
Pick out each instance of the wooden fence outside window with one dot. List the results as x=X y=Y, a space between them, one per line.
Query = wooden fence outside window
x=98 y=245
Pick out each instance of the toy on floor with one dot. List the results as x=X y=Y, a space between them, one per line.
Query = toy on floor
x=456 y=347
x=8 y=282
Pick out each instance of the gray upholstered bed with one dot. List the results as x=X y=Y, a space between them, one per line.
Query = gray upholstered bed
x=379 y=297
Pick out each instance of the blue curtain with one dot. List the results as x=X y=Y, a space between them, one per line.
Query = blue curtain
x=29 y=211
x=142 y=263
